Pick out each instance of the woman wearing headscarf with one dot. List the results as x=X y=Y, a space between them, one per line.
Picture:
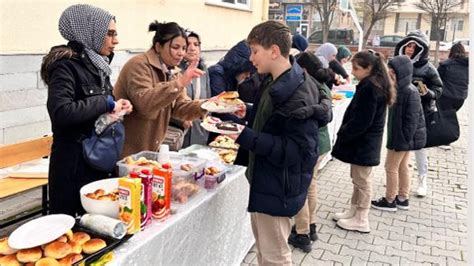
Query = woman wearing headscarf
x=157 y=89
x=79 y=91
x=326 y=53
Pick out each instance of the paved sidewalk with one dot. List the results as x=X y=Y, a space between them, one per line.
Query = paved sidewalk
x=432 y=232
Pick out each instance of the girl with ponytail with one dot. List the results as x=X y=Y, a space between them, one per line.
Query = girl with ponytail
x=153 y=82
x=359 y=139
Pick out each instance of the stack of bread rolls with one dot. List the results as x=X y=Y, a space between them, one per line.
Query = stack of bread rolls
x=65 y=250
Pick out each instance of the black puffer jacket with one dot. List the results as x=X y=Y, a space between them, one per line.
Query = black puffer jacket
x=76 y=98
x=359 y=139
x=286 y=148
x=406 y=121
x=455 y=76
x=422 y=69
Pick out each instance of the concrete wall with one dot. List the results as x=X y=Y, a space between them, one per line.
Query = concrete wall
x=30 y=27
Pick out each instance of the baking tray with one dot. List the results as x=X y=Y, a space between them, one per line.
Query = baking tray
x=112 y=243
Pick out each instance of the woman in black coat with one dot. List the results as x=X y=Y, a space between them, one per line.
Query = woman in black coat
x=359 y=139
x=455 y=75
x=79 y=91
x=406 y=131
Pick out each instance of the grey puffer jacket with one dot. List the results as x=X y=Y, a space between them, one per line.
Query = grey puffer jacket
x=423 y=70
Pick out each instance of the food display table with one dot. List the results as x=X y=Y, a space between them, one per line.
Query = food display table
x=213 y=228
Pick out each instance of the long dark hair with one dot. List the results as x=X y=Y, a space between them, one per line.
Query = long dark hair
x=165 y=32
x=457 y=51
x=379 y=73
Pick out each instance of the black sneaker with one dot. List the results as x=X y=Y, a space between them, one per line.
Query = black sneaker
x=401 y=204
x=384 y=205
x=313 y=235
x=300 y=241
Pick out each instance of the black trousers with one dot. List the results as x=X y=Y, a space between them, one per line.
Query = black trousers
x=446 y=103
x=68 y=172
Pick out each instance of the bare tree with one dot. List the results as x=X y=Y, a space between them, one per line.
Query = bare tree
x=437 y=11
x=325 y=10
x=374 y=10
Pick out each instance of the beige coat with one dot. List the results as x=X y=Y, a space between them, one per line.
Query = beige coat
x=155 y=100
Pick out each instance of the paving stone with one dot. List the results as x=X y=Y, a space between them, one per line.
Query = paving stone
x=439 y=244
x=390 y=228
x=455 y=254
x=329 y=256
x=353 y=252
x=392 y=243
x=342 y=241
x=297 y=256
x=453 y=262
x=421 y=257
x=375 y=257
x=356 y=261
x=367 y=238
x=334 y=248
x=333 y=231
x=380 y=249
x=399 y=252
x=452 y=239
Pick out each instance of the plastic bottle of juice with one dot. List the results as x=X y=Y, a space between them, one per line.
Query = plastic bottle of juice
x=146 y=197
x=161 y=206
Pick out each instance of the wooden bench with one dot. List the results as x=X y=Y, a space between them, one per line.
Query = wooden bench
x=14 y=154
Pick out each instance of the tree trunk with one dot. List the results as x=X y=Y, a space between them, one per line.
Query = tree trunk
x=367 y=33
x=325 y=27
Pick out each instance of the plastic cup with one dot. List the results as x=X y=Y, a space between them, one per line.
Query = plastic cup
x=210 y=182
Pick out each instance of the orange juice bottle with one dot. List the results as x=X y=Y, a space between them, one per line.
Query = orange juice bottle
x=129 y=203
x=161 y=192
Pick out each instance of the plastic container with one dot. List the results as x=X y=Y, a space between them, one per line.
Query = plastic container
x=124 y=169
x=348 y=94
x=210 y=182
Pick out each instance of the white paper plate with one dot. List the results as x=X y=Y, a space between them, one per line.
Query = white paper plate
x=213 y=128
x=40 y=231
x=225 y=109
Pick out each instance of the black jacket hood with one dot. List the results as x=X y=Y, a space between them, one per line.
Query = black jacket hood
x=423 y=47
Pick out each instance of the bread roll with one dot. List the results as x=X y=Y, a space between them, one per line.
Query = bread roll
x=69 y=234
x=76 y=247
x=62 y=238
x=80 y=237
x=9 y=260
x=70 y=259
x=47 y=261
x=5 y=249
x=29 y=254
x=57 y=250
x=93 y=245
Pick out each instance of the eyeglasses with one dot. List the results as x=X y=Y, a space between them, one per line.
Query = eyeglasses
x=112 y=33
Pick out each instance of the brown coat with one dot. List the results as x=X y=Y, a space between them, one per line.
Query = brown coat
x=155 y=100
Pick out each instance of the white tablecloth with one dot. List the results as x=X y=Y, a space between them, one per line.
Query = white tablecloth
x=338 y=110
x=211 y=229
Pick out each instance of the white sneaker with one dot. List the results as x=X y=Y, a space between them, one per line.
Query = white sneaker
x=422 y=187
